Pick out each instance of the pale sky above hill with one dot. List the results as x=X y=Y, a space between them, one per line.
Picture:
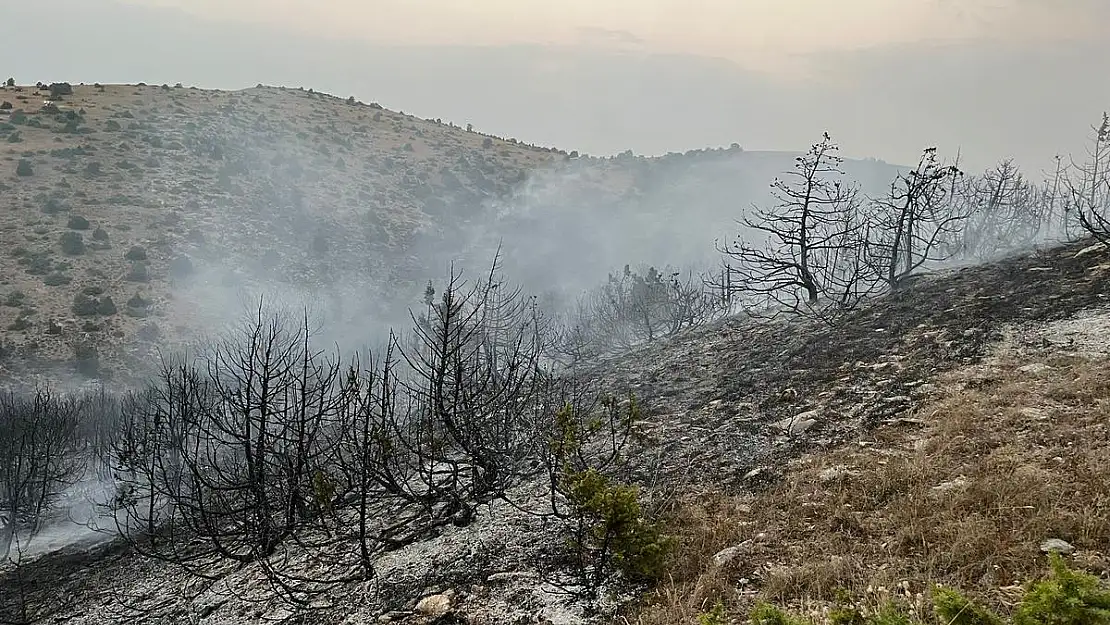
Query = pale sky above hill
x=770 y=35
x=988 y=78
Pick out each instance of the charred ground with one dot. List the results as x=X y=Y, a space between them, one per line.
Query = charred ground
x=726 y=408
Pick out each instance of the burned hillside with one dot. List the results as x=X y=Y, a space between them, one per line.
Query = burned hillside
x=723 y=407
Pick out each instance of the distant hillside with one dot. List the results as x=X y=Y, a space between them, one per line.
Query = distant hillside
x=138 y=215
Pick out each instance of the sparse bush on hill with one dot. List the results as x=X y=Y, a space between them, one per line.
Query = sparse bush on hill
x=24 y=168
x=5 y=106
x=106 y=307
x=84 y=305
x=138 y=272
x=37 y=263
x=135 y=253
x=87 y=359
x=73 y=244
x=59 y=89
x=76 y=222
x=10 y=82
x=15 y=299
x=56 y=279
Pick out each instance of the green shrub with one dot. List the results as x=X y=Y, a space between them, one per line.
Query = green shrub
x=606 y=531
x=1067 y=597
x=78 y=223
x=890 y=614
x=767 y=614
x=954 y=608
x=100 y=235
x=615 y=524
x=73 y=244
x=24 y=168
x=716 y=616
x=15 y=299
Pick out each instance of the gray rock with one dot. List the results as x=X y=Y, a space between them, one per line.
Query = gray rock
x=834 y=473
x=434 y=605
x=798 y=423
x=1058 y=546
x=726 y=556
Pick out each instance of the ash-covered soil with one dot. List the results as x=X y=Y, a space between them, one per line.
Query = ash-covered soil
x=728 y=402
x=723 y=406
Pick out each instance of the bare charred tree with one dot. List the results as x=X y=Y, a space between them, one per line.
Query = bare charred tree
x=1005 y=213
x=474 y=373
x=1062 y=224
x=911 y=224
x=1087 y=185
x=813 y=239
x=222 y=460
x=40 y=456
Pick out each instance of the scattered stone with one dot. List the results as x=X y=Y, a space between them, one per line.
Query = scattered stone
x=1034 y=368
x=727 y=556
x=798 y=423
x=434 y=605
x=1058 y=546
x=951 y=485
x=834 y=473
x=754 y=473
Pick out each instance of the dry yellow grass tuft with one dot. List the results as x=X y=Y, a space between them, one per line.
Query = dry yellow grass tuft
x=963 y=492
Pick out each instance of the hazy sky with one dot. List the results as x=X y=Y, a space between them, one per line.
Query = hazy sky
x=991 y=78
x=772 y=35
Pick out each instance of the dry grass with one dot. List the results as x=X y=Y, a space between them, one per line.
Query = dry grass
x=962 y=493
